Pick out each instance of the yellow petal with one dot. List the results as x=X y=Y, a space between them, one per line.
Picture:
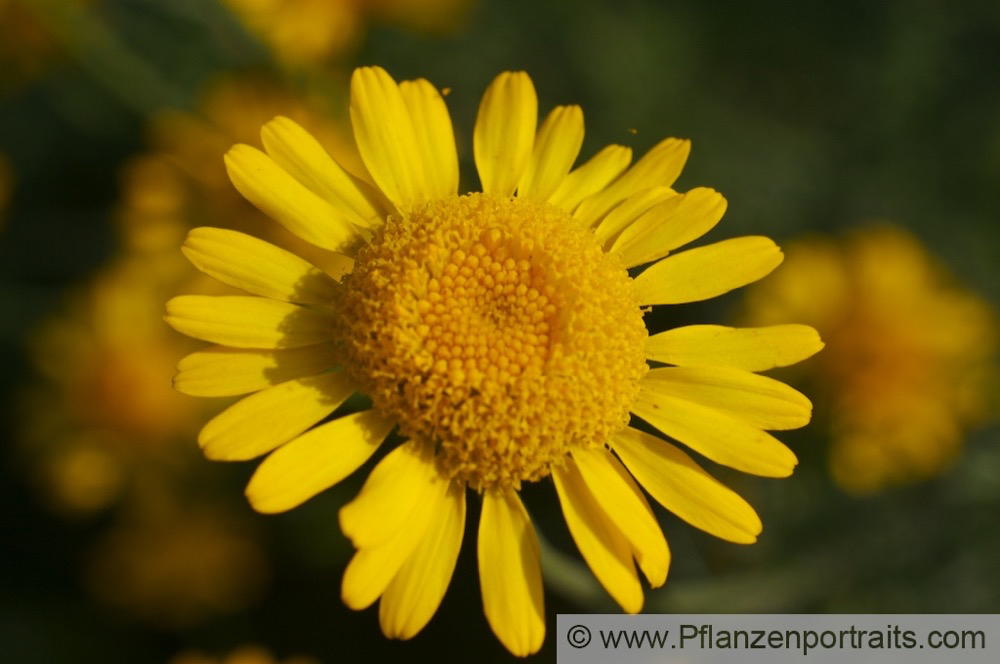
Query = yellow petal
x=316 y=460
x=658 y=168
x=405 y=477
x=286 y=200
x=758 y=400
x=604 y=547
x=435 y=136
x=751 y=348
x=626 y=507
x=372 y=569
x=669 y=225
x=261 y=422
x=247 y=322
x=591 y=177
x=225 y=372
x=723 y=439
x=684 y=488
x=257 y=266
x=709 y=271
x=416 y=591
x=386 y=138
x=510 y=574
x=295 y=150
x=556 y=148
x=505 y=132
x=626 y=212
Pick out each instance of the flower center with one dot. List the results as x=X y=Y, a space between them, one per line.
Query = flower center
x=495 y=329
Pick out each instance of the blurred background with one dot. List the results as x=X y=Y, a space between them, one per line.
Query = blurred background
x=864 y=137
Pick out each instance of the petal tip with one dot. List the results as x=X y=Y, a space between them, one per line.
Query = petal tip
x=261 y=502
x=237 y=152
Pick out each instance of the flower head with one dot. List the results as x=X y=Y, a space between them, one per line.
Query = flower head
x=501 y=333
x=911 y=354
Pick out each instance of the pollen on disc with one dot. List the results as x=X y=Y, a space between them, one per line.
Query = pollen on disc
x=495 y=329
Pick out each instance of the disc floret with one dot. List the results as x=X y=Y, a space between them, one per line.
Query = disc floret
x=495 y=329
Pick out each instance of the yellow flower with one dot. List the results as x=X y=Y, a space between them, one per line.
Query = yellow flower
x=909 y=352
x=501 y=333
x=302 y=31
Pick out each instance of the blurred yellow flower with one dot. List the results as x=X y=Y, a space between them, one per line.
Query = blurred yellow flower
x=102 y=427
x=501 y=334
x=103 y=409
x=249 y=654
x=301 y=32
x=909 y=353
x=310 y=32
x=175 y=567
x=104 y=413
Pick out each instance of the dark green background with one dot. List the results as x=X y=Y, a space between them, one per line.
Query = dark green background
x=808 y=116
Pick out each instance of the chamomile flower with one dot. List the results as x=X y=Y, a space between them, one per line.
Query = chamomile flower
x=501 y=334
